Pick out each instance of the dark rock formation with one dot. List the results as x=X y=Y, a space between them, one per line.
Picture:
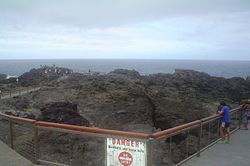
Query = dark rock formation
x=11 y=82
x=187 y=95
x=42 y=75
x=33 y=77
x=62 y=112
x=3 y=76
x=112 y=101
x=19 y=103
x=125 y=72
x=124 y=100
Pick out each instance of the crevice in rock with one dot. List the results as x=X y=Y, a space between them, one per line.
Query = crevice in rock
x=150 y=101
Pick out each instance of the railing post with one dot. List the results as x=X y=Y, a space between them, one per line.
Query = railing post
x=170 y=147
x=106 y=153
x=11 y=135
x=187 y=144
x=209 y=132
x=199 y=139
x=36 y=145
x=149 y=149
x=240 y=117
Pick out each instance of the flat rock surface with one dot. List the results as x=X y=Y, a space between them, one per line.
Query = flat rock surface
x=235 y=153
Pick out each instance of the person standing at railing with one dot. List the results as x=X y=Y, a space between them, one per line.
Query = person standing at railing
x=245 y=111
x=218 y=112
x=225 y=122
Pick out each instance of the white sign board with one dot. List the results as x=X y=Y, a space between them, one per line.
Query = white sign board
x=125 y=152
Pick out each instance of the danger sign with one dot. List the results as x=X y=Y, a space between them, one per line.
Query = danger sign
x=125 y=152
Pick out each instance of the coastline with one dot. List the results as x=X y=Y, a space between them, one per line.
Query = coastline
x=226 y=69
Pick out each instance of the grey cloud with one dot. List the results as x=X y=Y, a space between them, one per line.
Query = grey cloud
x=109 y=12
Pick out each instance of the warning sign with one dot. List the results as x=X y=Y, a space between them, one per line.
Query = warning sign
x=125 y=152
x=125 y=158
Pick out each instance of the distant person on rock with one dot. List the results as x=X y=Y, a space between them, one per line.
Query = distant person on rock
x=225 y=122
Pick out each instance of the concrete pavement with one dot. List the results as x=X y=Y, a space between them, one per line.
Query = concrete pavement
x=9 y=157
x=237 y=153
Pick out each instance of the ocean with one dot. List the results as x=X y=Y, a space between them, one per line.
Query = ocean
x=225 y=69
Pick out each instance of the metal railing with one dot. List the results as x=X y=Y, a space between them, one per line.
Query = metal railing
x=189 y=140
x=61 y=144
x=17 y=92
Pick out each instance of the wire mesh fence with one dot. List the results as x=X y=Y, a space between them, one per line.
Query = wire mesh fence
x=183 y=144
x=71 y=149
x=17 y=92
x=23 y=140
x=172 y=149
x=5 y=131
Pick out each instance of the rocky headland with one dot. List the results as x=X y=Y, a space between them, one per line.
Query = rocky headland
x=124 y=99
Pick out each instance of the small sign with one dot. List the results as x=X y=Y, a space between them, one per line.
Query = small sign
x=125 y=152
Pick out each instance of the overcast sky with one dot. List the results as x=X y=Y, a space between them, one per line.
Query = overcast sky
x=141 y=29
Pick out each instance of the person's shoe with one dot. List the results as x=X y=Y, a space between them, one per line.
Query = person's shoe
x=221 y=142
x=227 y=142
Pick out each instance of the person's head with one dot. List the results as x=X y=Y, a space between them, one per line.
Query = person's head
x=223 y=103
x=219 y=107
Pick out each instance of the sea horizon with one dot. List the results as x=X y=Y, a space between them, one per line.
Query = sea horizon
x=218 y=68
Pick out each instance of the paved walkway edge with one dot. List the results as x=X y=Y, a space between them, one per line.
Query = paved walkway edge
x=9 y=157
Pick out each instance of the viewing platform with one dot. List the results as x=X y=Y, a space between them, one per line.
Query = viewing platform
x=9 y=157
x=235 y=153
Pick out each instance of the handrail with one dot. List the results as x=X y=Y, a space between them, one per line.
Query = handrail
x=106 y=133
x=116 y=132
x=92 y=130
x=76 y=128
x=210 y=118
x=15 y=118
x=175 y=129
x=236 y=109
x=213 y=117
x=189 y=125
x=4 y=116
